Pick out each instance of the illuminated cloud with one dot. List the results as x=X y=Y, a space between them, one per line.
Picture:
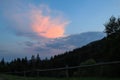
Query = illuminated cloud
x=46 y=25
x=36 y=21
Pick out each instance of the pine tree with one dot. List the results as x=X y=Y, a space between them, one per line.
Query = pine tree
x=32 y=62
x=113 y=26
x=38 y=61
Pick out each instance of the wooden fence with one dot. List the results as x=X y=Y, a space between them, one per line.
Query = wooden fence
x=66 y=69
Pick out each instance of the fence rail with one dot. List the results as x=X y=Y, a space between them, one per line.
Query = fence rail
x=64 y=68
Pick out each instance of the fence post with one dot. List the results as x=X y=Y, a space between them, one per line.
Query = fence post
x=24 y=74
x=37 y=73
x=101 y=70
x=67 y=73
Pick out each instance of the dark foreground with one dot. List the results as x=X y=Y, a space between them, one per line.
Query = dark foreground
x=10 y=77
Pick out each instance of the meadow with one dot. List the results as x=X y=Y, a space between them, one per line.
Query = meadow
x=11 y=77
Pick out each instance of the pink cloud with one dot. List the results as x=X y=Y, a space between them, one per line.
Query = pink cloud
x=46 y=25
x=36 y=21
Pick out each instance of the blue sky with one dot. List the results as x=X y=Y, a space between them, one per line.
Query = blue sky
x=85 y=15
x=22 y=20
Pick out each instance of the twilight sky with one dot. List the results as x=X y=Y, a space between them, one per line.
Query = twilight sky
x=26 y=25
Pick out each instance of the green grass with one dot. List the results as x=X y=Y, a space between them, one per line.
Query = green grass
x=10 y=77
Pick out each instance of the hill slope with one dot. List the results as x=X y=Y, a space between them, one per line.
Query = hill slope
x=60 y=45
x=106 y=49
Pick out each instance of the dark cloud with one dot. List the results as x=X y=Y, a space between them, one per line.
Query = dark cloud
x=29 y=43
x=57 y=46
x=40 y=49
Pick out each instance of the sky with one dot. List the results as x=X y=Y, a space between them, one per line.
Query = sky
x=28 y=24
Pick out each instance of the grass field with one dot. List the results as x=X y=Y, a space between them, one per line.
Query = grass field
x=10 y=77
